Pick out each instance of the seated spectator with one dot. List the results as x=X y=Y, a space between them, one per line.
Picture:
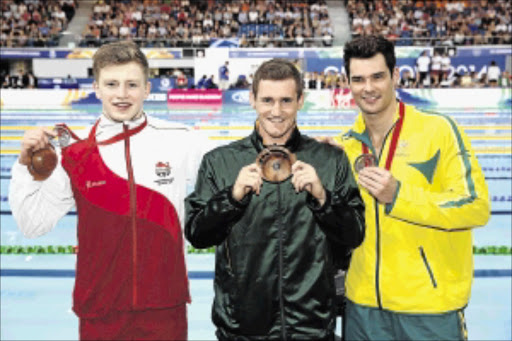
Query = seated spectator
x=201 y=84
x=210 y=83
x=181 y=81
x=330 y=80
x=29 y=80
x=327 y=39
x=342 y=81
x=505 y=80
x=475 y=81
x=5 y=80
x=241 y=83
x=445 y=81
x=407 y=80
x=465 y=80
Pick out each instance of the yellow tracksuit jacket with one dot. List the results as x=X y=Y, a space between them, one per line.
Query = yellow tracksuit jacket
x=417 y=253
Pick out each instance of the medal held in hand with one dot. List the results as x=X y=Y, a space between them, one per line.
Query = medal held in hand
x=276 y=163
x=63 y=136
x=364 y=160
x=44 y=161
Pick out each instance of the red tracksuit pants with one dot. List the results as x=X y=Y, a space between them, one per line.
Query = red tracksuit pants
x=155 y=324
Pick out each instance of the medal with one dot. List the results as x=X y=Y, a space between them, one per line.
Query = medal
x=276 y=163
x=364 y=160
x=63 y=136
x=43 y=163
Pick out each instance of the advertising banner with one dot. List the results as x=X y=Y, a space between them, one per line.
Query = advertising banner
x=194 y=98
x=236 y=97
x=315 y=100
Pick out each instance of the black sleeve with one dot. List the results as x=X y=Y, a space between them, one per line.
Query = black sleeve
x=342 y=215
x=210 y=212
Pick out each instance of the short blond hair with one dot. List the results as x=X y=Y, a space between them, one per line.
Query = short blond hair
x=118 y=53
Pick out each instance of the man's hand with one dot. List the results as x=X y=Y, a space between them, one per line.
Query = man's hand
x=329 y=140
x=248 y=180
x=379 y=182
x=33 y=140
x=305 y=178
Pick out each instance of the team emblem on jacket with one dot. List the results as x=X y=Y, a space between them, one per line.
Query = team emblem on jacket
x=163 y=170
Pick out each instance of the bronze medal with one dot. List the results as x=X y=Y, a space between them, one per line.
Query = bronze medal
x=276 y=163
x=43 y=163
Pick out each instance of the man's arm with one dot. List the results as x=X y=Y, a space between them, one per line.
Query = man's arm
x=210 y=211
x=463 y=200
x=37 y=206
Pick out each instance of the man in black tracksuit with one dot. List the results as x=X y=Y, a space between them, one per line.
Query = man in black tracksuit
x=274 y=265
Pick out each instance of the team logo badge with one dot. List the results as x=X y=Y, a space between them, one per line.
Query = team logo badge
x=163 y=171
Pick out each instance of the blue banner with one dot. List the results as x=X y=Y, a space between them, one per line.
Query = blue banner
x=57 y=83
x=323 y=65
x=217 y=42
x=236 y=97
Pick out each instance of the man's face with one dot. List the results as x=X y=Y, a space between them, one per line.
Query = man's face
x=372 y=85
x=122 y=90
x=277 y=105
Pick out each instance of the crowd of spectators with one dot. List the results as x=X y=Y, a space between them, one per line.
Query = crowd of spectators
x=34 y=23
x=433 y=22
x=184 y=23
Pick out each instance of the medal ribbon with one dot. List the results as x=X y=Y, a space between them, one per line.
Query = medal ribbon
x=65 y=127
x=117 y=137
x=394 y=138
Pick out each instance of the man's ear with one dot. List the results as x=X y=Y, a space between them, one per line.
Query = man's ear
x=301 y=100
x=148 y=89
x=252 y=100
x=396 y=76
x=96 y=88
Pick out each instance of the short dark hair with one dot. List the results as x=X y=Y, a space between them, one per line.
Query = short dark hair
x=277 y=69
x=368 y=47
x=119 y=53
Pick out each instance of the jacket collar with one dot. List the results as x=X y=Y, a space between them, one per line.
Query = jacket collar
x=292 y=144
x=359 y=131
x=108 y=128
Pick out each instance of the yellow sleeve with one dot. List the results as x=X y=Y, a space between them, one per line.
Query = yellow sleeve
x=462 y=202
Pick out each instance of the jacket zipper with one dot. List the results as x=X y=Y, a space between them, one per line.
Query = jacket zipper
x=281 y=302
x=377 y=255
x=427 y=265
x=133 y=214
x=377 y=228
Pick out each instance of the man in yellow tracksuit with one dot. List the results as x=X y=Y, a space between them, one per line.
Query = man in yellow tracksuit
x=424 y=191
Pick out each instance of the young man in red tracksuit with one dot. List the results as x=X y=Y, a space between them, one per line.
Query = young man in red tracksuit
x=127 y=178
